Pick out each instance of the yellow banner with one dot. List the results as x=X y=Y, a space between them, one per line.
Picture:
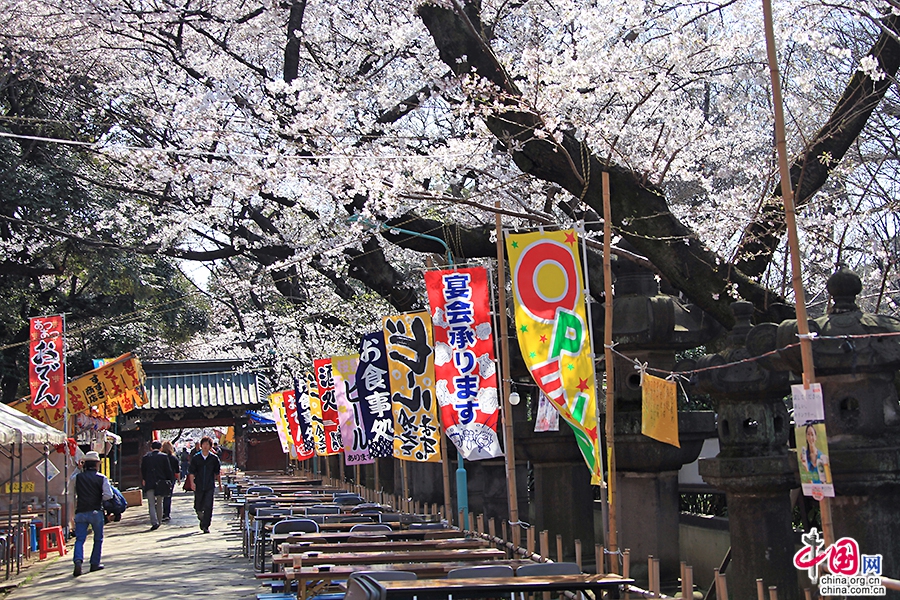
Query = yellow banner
x=276 y=403
x=551 y=325
x=110 y=382
x=409 y=342
x=659 y=410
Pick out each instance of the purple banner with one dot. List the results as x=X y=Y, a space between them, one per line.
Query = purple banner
x=353 y=430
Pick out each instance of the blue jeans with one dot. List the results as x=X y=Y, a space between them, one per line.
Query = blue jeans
x=96 y=520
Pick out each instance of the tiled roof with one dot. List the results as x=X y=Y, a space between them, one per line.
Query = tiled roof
x=201 y=384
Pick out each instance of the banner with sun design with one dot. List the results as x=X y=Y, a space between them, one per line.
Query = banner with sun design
x=552 y=328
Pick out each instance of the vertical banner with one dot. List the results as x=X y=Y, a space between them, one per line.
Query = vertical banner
x=551 y=324
x=353 y=431
x=417 y=435
x=812 y=443
x=305 y=444
x=659 y=409
x=464 y=367
x=328 y=405
x=317 y=423
x=290 y=409
x=277 y=404
x=373 y=387
x=46 y=360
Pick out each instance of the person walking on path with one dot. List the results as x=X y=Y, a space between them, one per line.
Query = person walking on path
x=185 y=459
x=203 y=475
x=169 y=450
x=156 y=472
x=91 y=489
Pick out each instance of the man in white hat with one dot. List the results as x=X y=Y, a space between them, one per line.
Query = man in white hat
x=91 y=489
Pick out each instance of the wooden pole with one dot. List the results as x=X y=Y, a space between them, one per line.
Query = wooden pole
x=445 y=471
x=760 y=590
x=687 y=584
x=578 y=555
x=790 y=217
x=377 y=484
x=612 y=538
x=405 y=476
x=504 y=385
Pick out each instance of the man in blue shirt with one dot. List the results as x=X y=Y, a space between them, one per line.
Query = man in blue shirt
x=204 y=474
x=91 y=489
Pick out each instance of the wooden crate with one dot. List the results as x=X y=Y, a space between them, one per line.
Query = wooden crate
x=133 y=497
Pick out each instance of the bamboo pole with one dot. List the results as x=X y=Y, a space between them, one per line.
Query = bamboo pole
x=578 y=554
x=760 y=590
x=612 y=539
x=773 y=592
x=599 y=559
x=687 y=584
x=504 y=385
x=545 y=545
x=790 y=217
x=559 y=548
x=626 y=565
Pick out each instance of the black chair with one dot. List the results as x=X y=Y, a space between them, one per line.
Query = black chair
x=290 y=526
x=261 y=490
x=370 y=527
x=416 y=526
x=478 y=571
x=323 y=509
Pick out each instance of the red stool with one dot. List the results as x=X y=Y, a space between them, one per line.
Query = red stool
x=59 y=542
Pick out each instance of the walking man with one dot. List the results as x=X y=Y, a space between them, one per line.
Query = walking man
x=91 y=489
x=204 y=475
x=156 y=472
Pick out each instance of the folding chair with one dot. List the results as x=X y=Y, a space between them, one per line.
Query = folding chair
x=367 y=527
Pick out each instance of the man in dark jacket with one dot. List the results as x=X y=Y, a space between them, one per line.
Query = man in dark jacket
x=91 y=489
x=204 y=474
x=156 y=470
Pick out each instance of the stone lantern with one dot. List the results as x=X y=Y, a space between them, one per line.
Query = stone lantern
x=753 y=466
x=859 y=378
x=651 y=327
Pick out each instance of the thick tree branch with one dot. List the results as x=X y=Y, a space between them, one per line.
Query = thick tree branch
x=640 y=212
x=811 y=169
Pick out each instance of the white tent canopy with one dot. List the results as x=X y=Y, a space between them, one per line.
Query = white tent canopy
x=17 y=427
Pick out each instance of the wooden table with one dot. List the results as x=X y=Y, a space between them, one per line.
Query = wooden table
x=307 y=575
x=493 y=587
x=379 y=557
x=403 y=534
x=396 y=545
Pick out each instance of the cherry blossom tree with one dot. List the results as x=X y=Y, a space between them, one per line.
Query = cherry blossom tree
x=336 y=145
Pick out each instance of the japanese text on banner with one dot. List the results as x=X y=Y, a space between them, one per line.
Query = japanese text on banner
x=411 y=362
x=46 y=362
x=551 y=324
x=374 y=391
x=328 y=405
x=464 y=367
x=353 y=430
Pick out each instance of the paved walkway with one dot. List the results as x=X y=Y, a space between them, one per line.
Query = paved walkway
x=175 y=561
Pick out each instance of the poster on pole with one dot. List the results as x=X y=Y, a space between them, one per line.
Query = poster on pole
x=353 y=430
x=46 y=363
x=812 y=442
x=551 y=325
x=417 y=433
x=374 y=391
x=464 y=365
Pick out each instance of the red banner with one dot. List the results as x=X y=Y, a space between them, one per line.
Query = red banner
x=46 y=372
x=289 y=397
x=464 y=365
x=330 y=416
